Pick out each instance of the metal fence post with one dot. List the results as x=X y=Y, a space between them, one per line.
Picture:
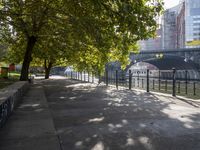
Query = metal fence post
x=147 y=80
x=88 y=77
x=186 y=81
x=153 y=84
x=165 y=85
x=92 y=77
x=117 y=79
x=159 y=80
x=84 y=76
x=106 y=76
x=138 y=78
x=142 y=83
x=99 y=76
x=194 y=88
x=130 y=80
x=174 y=82
x=179 y=86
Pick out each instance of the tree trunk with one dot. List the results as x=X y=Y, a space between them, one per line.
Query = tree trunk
x=27 y=58
x=47 y=68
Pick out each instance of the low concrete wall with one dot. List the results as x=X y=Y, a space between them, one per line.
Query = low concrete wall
x=9 y=99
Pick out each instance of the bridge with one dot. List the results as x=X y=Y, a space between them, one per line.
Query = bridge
x=191 y=55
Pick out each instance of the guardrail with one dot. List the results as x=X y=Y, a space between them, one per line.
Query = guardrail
x=9 y=99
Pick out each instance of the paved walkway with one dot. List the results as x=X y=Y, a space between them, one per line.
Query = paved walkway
x=68 y=115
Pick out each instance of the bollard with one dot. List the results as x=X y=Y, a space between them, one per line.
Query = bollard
x=174 y=82
x=116 y=79
x=147 y=80
x=130 y=80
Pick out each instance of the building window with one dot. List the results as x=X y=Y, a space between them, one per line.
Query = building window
x=196 y=34
x=196 y=29
x=196 y=19
x=196 y=24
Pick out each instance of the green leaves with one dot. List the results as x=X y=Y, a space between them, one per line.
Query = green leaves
x=84 y=33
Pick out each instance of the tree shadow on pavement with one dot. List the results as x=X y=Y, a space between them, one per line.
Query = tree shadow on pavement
x=93 y=117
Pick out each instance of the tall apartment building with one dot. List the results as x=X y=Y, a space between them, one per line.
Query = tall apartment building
x=152 y=43
x=181 y=25
x=169 y=32
x=192 y=23
x=180 y=28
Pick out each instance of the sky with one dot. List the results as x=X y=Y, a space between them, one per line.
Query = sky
x=170 y=3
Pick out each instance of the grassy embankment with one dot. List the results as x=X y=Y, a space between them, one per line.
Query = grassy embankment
x=12 y=78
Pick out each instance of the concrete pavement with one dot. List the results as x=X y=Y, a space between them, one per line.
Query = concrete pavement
x=69 y=115
x=31 y=126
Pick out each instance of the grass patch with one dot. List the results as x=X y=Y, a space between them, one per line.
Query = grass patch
x=12 y=78
x=14 y=75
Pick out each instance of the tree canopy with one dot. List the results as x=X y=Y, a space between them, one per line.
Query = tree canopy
x=85 y=33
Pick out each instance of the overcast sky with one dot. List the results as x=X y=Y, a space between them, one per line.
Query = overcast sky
x=170 y=3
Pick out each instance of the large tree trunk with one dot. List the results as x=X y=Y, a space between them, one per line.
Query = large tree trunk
x=27 y=58
x=47 y=67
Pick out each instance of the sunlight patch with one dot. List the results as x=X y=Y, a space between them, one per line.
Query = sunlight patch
x=146 y=142
x=96 y=119
x=62 y=97
x=29 y=105
x=130 y=142
x=79 y=144
x=124 y=121
x=98 y=146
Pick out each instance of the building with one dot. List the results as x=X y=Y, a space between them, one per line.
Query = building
x=152 y=43
x=180 y=28
x=181 y=25
x=192 y=23
x=169 y=30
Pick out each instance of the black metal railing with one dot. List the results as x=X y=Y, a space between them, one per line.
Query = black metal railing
x=164 y=81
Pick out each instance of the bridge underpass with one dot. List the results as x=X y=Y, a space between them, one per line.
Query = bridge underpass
x=190 y=55
x=160 y=63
